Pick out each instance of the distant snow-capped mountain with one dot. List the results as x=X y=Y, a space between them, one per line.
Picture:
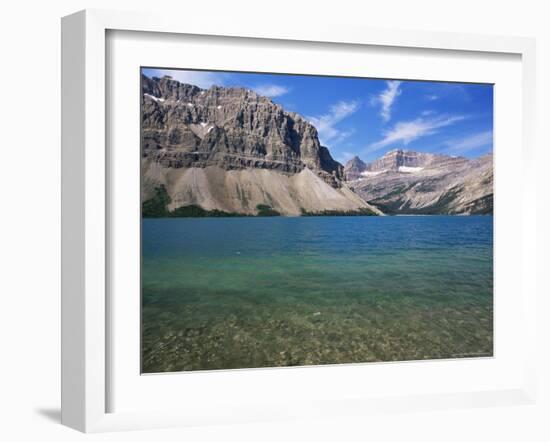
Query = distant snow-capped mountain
x=408 y=182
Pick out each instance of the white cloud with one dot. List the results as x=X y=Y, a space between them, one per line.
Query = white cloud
x=432 y=97
x=344 y=157
x=326 y=123
x=406 y=131
x=387 y=98
x=343 y=135
x=201 y=79
x=271 y=90
x=469 y=143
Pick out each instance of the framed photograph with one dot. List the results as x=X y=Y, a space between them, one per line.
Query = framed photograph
x=262 y=223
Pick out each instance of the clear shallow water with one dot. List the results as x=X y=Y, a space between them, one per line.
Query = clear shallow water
x=221 y=293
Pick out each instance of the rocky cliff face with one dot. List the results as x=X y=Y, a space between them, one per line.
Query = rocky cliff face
x=406 y=182
x=232 y=149
x=232 y=128
x=398 y=159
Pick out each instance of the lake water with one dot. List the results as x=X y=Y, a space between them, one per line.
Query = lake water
x=220 y=293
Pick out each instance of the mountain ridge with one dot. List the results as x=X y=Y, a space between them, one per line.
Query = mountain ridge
x=233 y=150
x=409 y=182
x=186 y=126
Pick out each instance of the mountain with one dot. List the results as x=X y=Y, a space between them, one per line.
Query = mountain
x=403 y=160
x=232 y=150
x=408 y=182
x=354 y=168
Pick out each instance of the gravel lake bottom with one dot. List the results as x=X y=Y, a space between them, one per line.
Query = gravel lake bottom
x=225 y=293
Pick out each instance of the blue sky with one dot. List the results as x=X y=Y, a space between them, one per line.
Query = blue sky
x=368 y=117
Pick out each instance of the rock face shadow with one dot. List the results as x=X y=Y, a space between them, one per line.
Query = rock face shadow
x=51 y=414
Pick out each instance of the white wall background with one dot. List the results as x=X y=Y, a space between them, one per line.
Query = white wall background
x=30 y=220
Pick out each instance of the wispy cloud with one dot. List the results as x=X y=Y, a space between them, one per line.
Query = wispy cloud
x=471 y=142
x=271 y=90
x=326 y=124
x=343 y=135
x=344 y=157
x=198 y=78
x=406 y=131
x=387 y=98
x=432 y=97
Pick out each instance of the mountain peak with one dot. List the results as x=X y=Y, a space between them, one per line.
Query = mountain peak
x=394 y=151
x=354 y=168
x=354 y=160
x=396 y=158
x=400 y=152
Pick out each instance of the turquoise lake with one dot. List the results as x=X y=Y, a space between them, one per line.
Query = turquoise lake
x=223 y=293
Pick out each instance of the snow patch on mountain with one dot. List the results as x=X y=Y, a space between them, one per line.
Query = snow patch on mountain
x=408 y=169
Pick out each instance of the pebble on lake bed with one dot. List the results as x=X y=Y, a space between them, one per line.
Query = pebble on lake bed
x=316 y=313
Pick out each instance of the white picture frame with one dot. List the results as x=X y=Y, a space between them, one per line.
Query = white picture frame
x=86 y=206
